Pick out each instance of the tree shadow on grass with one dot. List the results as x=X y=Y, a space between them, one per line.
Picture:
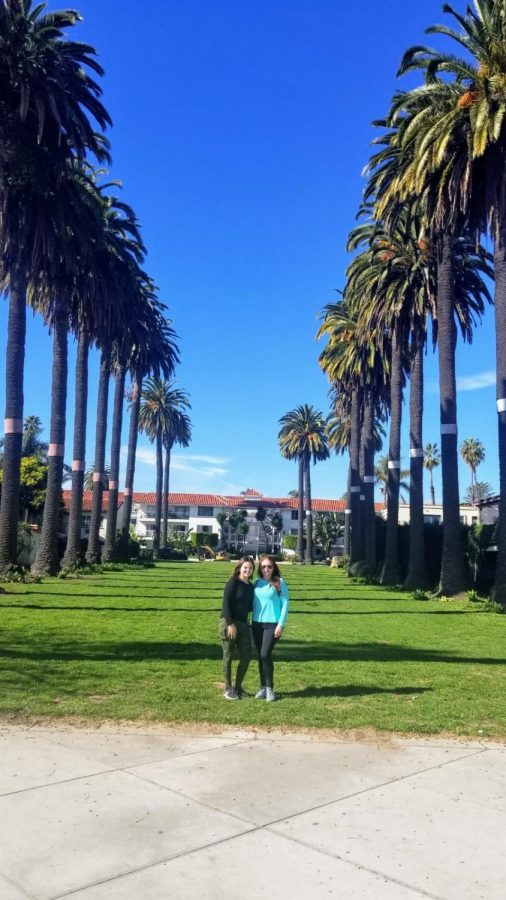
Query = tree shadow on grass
x=286 y=651
x=353 y=690
x=75 y=608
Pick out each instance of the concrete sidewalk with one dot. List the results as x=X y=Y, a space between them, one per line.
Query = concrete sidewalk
x=120 y=813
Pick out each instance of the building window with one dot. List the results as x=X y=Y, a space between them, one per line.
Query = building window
x=179 y=512
x=151 y=511
x=207 y=512
x=294 y=531
x=179 y=527
x=432 y=520
x=204 y=529
x=295 y=515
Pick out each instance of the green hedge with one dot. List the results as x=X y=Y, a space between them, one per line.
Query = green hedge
x=290 y=541
x=204 y=538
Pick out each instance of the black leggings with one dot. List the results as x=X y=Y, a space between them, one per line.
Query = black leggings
x=263 y=636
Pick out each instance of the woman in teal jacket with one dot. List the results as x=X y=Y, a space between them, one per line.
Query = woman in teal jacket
x=270 y=611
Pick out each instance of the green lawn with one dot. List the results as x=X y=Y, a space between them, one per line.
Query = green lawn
x=142 y=644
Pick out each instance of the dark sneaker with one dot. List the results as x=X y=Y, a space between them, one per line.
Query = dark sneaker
x=270 y=696
x=241 y=693
x=230 y=693
x=260 y=695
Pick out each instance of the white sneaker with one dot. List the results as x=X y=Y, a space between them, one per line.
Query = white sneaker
x=261 y=694
x=270 y=696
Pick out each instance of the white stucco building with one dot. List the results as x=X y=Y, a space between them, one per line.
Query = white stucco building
x=197 y=513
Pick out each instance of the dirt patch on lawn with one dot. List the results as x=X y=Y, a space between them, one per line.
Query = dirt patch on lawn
x=348 y=736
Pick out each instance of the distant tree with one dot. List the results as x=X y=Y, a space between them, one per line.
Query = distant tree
x=222 y=518
x=432 y=459
x=481 y=490
x=327 y=529
x=88 y=478
x=381 y=475
x=472 y=452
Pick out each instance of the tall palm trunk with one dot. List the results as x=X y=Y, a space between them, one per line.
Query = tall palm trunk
x=117 y=425
x=93 y=551
x=361 y=469
x=355 y=477
x=159 y=483
x=347 y=516
x=133 y=434
x=13 y=425
x=391 y=573
x=432 y=491
x=72 y=555
x=416 y=576
x=500 y=343
x=165 y=506
x=453 y=576
x=309 y=555
x=46 y=561
x=368 y=485
x=300 y=499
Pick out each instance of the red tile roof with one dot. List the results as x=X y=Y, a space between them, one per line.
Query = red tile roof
x=214 y=500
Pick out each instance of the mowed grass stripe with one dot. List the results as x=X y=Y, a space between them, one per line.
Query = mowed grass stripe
x=142 y=644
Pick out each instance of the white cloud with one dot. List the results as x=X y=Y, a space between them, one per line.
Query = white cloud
x=469 y=382
x=195 y=468
x=475 y=382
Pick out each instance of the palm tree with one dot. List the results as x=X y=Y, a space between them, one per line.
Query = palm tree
x=157 y=353
x=261 y=517
x=222 y=518
x=381 y=476
x=276 y=525
x=177 y=431
x=452 y=144
x=32 y=445
x=472 y=452
x=303 y=436
x=357 y=370
x=160 y=416
x=46 y=97
x=72 y=555
x=432 y=459
x=75 y=214
x=93 y=549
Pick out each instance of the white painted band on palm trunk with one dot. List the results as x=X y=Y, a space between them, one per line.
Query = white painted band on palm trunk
x=362 y=496
x=127 y=492
x=113 y=485
x=354 y=489
x=448 y=429
x=369 y=479
x=347 y=512
x=78 y=465
x=13 y=426
x=501 y=405
x=55 y=450
x=97 y=476
x=394 y=463
x=416 y=453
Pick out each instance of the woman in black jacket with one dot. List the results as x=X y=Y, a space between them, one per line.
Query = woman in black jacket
x=234 y=630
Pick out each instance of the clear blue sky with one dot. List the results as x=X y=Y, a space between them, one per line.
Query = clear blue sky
x=240 y=132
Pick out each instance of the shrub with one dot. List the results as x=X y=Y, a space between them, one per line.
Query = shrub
x=418 y=594
x=289 y=542
x=203 y=538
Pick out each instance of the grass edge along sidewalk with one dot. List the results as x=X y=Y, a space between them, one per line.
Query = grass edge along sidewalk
x=142 y=645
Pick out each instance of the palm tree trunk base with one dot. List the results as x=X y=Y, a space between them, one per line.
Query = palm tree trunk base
x=416 y=581
x=390 y=575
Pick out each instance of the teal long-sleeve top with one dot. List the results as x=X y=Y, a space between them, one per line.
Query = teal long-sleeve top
x=268 y=605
